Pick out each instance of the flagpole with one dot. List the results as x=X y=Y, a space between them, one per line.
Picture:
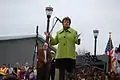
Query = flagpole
x=110 y=52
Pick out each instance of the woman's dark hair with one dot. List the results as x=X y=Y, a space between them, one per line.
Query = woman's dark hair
x=66 y=18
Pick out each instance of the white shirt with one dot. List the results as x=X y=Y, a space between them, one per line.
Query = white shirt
x=45 y=54
x=26 y=68
x=10 y=70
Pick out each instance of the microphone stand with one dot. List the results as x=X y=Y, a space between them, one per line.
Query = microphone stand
x=35 y=56
x=53 y=26
x=37 y=42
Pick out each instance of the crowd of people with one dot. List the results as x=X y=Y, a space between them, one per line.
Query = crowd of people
x=17 y=72
x=26 y=72
x=94 y=73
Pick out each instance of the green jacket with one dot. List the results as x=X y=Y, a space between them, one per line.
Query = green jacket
x=66 y=40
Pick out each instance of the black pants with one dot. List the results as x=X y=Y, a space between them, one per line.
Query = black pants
x=63 y=65
x=52 y=71
x=43 y=73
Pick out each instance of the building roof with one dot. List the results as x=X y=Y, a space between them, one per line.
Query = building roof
x=19 y=37
x=40 y=38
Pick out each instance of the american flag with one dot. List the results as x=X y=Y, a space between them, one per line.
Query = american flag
x=109 y=47
x=111 y=53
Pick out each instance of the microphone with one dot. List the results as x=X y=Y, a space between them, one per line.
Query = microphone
x=58 y=19
x=78 y=35
x=37 y=29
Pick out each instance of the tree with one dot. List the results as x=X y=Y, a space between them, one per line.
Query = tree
x=82 y=51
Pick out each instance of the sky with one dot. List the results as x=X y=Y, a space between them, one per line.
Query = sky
x=20 y=17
